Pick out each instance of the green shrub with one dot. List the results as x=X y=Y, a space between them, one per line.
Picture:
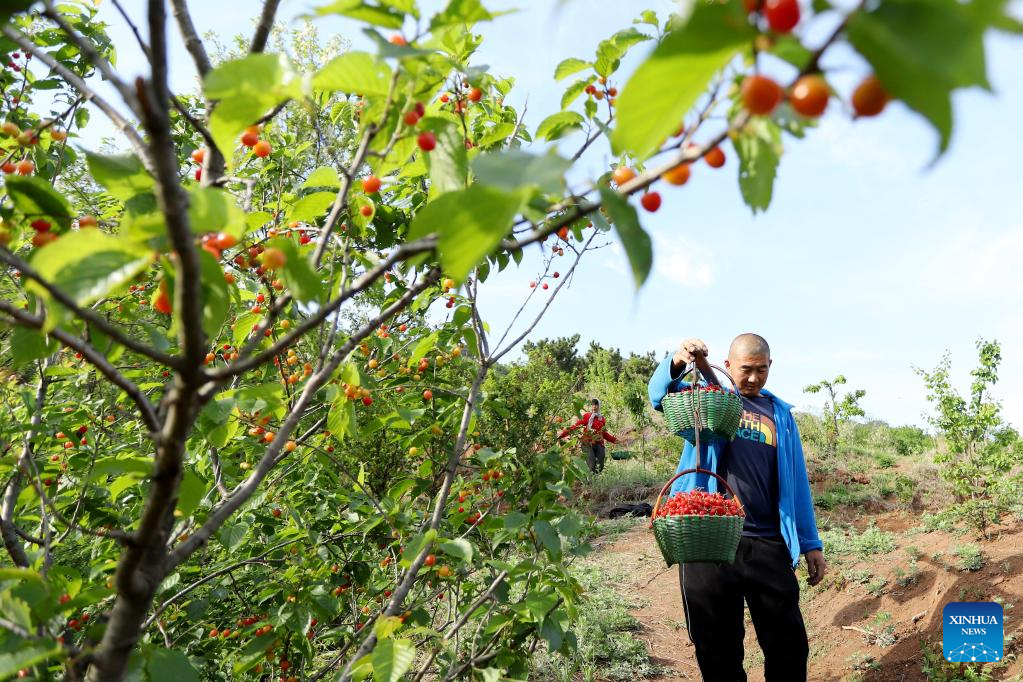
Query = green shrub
x=870 y=542
x=971 y=557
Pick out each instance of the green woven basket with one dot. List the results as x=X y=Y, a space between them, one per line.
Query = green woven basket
x=716 y=413
x=621 y=454
x=697 y=539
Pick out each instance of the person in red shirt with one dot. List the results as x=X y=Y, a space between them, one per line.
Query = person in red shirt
x=593 y=436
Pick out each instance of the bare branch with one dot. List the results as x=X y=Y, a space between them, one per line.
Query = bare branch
x=193 y=43
x=127 y=128
x=263 y=28
x=97 y=359
x=90 y=52
x=86 y=314
x=496 y=357
x=173 y=202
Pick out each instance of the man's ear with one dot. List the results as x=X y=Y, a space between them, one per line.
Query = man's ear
x=770 y=361
x=728 y=365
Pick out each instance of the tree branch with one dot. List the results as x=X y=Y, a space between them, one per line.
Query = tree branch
x=246 y=489
x=265 y=25
x=10 y=501
x=95 y=358
x=243 y=364
x=127 y=129
x=86 y=314
x=193 y=43
x=90 y=52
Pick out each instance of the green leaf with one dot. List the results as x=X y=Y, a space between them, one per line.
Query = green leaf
x=573 y=92
x=34 y=197
x=647 y=17
x=559 y=124
x=191 y=492
x=549 y=537
x=311 y=207
x=86 y=265
x=386 y=626
x=387 y=50
x=340 y=416
x=244 y=324
x=216 y=297
x=247 y=88
x=29 y=654
x=634 y=238
x=214 y=210
x=378 y=14
x=922 y=50
x=232 y=535
x=611 y=51
x=460 y=548
x=392 y=658
x=514 y=170
x=569 y=66
x=8 y=9
x=667 y=85
x=16 y=610
x=123 y=175
x=448 y=162
x=461 y=12
x=28 y=345
x=298 y=275
x=170 y=665
x=324 y=176
x=112 y=466
x=470 y=224
x=759 y=148
x=551 y=631
x=354 y=73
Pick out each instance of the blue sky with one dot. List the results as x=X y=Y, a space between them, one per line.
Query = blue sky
x=869 y=261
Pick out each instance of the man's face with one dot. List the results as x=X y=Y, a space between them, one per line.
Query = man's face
x=749 y=371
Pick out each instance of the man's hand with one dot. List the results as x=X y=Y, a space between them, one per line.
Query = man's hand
x=816 y=566
x=690 y=350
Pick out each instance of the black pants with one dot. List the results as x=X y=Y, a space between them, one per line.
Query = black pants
x=713 y=595
x=594 y=456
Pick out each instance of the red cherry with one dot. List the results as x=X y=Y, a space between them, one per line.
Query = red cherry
x=782 y=15
x=427 y=141
x=651 y=201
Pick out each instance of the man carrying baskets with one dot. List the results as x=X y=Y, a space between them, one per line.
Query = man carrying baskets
x=765 y=468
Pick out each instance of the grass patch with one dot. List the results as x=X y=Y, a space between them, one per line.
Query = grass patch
x=937 y=669
x=606 y=644
x=969 y=557
x=870 y=542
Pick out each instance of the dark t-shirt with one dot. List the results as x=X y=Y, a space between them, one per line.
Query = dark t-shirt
x=750 y=465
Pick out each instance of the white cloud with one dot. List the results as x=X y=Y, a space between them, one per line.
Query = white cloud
x=974 y=262
x=853 y=145
x=679 y=261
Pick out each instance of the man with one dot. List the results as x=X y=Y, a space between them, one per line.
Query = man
x=593 y=436
x=765 y=467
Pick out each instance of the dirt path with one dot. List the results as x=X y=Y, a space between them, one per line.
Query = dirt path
x=836 y=613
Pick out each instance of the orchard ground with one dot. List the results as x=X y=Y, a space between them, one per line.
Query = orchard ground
x=893 y=565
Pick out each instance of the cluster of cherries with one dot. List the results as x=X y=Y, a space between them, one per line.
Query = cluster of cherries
x=700 y=503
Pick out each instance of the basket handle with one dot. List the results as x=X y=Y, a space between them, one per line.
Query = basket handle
x=691 y=367
x=697 y=470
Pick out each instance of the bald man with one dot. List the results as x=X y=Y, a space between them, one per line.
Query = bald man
x=764 y=465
